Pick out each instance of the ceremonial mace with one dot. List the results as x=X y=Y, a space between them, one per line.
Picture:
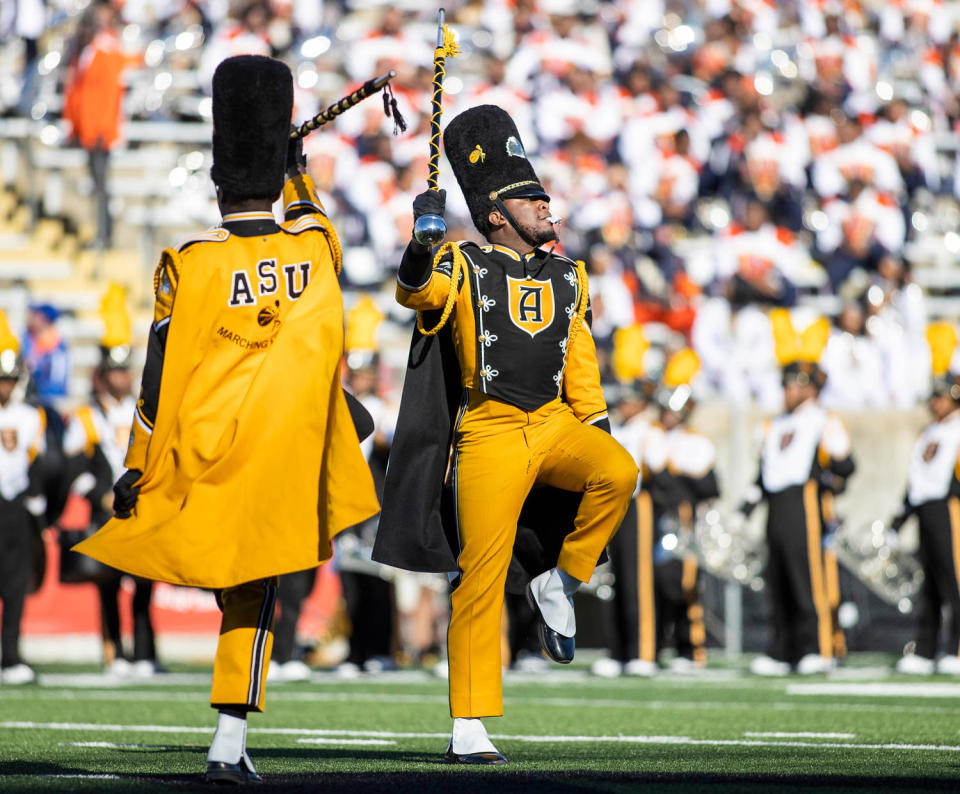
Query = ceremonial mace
x=368 y=88
x=430 y=229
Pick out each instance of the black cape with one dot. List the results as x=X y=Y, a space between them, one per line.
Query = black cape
x=418 y=528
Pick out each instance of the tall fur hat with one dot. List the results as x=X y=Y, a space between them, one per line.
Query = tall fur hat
x=488 y=160
x=252 y=106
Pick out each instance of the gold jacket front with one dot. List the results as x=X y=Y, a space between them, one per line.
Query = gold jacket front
x=250 y=460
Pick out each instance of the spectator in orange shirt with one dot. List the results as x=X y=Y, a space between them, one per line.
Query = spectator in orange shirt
x=92 y=100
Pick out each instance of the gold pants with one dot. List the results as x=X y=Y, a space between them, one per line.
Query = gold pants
x=243 y=650
x=502 y=452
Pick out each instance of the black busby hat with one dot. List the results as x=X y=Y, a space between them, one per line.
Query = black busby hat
x=805 y=373
x=252 y=106
x=488 y=160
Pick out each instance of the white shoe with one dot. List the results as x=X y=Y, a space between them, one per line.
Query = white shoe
x=555 y=606
x=144 y=668
x=683 y=665
x=814 y=663
x=530 y=663
x=911 y=664
x=640 y=668
x=442 y=669
x=347 y=670
x=18 y=674
x=948 y=665
x=119 y=668
x=606 y=667
x=295 y=670
x=469 y=737
x=380 y=664
x=764 y=665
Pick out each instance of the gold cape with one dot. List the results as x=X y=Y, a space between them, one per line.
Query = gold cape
x=253 y=464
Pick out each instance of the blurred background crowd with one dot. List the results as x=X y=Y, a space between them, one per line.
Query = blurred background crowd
x=731 y=172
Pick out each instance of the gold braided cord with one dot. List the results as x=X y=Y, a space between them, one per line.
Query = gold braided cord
x=459 y=266
x=332 y=240
x=578 y=319
x=440 y=54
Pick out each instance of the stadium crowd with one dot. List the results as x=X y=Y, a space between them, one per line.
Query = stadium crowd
x=712 y=160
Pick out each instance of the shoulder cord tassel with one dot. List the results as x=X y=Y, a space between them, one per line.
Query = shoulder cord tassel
x=459 y=266
x=578 y=319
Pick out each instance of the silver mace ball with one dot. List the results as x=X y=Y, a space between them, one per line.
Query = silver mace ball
x=429 y=229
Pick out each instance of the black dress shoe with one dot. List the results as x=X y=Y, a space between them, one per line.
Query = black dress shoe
x=477 y=759
x=227 y=774
x=555 y=645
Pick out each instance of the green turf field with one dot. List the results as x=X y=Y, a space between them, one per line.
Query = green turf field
x=859 y=729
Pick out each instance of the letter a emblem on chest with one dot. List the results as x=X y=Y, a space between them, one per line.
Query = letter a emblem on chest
x=531 y=304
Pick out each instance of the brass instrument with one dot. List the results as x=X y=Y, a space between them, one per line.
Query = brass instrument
x=722 y=546
x=889 y=572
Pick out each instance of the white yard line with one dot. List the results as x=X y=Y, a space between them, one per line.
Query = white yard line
x=114 y=745
x=797 y=735
x=345 y=741
x=80 y=777
x=105 y=679
x=918 y=690
x=123 y=694
x=533 y=738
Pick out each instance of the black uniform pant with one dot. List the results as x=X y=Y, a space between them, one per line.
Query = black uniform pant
x=98 y=160
x=794 y=576
x=370 y=609
x=144 y=646
x=293 y=588
x=16 y=553
x=630 y=616
x=679 y=613
x=939 y=546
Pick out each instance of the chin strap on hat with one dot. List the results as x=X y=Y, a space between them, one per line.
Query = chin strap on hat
x=498 y=203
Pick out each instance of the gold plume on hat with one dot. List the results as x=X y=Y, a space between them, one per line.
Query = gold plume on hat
x=629 y=346
x=8 y=341
x=791 y=346
x=681 y=368
x=363 y=320
x=115 y=316
x=942 y=338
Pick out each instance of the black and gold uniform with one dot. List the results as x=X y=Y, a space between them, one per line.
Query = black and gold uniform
x=933 y=495
x=805 y=458
x=531 y=409
x=22 y=440
x=680 y=462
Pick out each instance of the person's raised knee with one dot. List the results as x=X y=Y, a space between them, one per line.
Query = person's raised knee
x=622 y=472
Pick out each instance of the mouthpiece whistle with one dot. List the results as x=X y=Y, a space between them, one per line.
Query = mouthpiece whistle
x=555 y=219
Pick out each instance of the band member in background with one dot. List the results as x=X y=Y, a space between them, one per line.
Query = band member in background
x=933 y=496
x=95 y=444
x=805 y=457
x=680 y=462
x=366 y=591
x=629 y=616
x=22 y=440
x=244 y=461
x=516 y=354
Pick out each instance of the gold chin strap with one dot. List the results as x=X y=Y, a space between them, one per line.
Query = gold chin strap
x=584 y=299
x=459 y=266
